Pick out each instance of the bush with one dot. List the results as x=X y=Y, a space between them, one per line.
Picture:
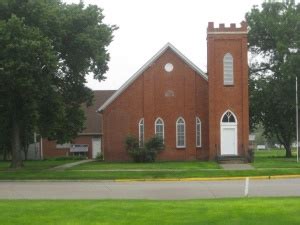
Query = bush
x=148 y=152
x=99 y=156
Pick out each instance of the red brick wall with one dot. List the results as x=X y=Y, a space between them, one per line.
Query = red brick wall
x=50 y=150
x=145 y=98
x=223 y=98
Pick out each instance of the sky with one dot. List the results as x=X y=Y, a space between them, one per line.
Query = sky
x=145 y=26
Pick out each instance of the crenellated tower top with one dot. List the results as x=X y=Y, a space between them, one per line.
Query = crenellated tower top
x=232 y=29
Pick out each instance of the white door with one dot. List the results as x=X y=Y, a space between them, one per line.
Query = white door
x=96 y=147
x=228 y=141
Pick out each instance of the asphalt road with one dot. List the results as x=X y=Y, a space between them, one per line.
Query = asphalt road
x=146 y=190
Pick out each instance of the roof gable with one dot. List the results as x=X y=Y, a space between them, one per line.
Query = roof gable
x=92 y=124
x=146 y=65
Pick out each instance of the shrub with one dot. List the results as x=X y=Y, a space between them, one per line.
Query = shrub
x=148 y=152
x=99 y=156
x=132 y=147
x=153 y=146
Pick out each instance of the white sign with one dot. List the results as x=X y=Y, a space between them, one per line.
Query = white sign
x=261 y=147
x=79 y=148
x=251 y=137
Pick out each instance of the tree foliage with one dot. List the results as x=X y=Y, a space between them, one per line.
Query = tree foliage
x=47 y=48
x=274 y=44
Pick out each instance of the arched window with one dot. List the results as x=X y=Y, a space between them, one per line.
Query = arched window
x=159 y=128
x=198 y=132
x=228 y=69
x=141 y=132
x=180 y=133
x=228 y=117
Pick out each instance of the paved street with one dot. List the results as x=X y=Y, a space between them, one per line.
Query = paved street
x=146 y=190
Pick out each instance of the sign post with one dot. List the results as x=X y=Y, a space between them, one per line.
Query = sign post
x=297 y=127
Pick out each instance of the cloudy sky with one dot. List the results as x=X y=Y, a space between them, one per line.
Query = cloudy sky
x=145 y=26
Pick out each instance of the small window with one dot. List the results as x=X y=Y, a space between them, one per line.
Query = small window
x=228 y=118
x=198 y=132
x=141 y=132
x=159 y=128
x=169 y=93
x=169 y=67
x=180 y=133
x=228 y=69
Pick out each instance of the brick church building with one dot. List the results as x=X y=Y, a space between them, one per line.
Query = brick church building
x=199 y=115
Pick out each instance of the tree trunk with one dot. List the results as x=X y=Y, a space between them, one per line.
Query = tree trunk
x=16 y=161
x=4 y=154
x=288 y=151
x=26 y=152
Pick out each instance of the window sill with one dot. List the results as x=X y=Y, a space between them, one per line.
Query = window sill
x=180 y=147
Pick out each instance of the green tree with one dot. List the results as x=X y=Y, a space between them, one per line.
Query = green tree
x=47 y=48
x=274 y=43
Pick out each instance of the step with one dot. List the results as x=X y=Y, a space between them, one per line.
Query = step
x=231 y=159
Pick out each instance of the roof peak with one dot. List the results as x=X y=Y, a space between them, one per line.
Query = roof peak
x=146 y=65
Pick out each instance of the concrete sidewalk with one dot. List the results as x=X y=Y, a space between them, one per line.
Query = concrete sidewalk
x=69 y=165
x=147 y=190
x=237 y=166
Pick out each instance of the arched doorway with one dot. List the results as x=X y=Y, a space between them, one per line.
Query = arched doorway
x=228 y=134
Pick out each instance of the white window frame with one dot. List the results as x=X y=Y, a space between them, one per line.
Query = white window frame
x=141 y=129
x=163 y=127
x=228 y=74
x=184 y=132
x=226 y=113
x=198 y=138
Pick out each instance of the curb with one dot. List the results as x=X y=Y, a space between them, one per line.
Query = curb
x=210 y=178
x=167 y=179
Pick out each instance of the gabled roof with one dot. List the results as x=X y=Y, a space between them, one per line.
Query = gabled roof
x=146 y=65
x=93 y=120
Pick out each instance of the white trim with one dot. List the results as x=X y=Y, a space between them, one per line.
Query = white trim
x=183 y=146
x=227 y=32
x=163 y=125
x=228 y=71
x=145 y=66
x=235 y=123
x=229 y=125
x=198 y=121
x=141 y=120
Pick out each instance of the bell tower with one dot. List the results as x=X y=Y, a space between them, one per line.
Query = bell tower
x=228 y=90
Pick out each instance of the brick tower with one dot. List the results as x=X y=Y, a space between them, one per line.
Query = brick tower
x=228 y=90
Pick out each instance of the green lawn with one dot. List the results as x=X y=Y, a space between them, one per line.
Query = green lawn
x=111 y=175
x=34 y=165
x=275 y=159
x=148 y=166
x=258 y=211
x=267 y=163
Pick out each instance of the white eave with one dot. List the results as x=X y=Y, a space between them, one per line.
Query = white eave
x=145 y=66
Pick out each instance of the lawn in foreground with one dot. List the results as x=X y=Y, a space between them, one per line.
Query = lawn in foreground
x=259 y=211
